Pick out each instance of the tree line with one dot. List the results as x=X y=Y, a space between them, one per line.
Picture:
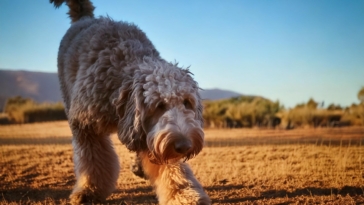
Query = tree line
x=236 y=112
x=247 y=111
x=18 y=110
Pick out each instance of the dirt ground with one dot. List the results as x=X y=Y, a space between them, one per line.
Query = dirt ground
x=237 y=166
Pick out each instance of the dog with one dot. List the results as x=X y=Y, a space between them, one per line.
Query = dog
x=113 y=80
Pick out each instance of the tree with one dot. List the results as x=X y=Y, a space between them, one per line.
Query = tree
x=312 y=104
x=361 y=95
x=332 y=106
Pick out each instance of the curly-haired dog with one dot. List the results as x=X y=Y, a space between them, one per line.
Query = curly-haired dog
x=114 y=80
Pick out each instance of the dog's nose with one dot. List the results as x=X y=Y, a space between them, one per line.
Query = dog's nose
x=182 y=146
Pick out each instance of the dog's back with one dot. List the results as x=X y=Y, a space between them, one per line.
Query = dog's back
x=92 y=58
x=67 y=79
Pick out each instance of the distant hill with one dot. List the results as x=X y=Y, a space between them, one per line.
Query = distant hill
x=40 y=86
x=44 y=87
x=217 y=94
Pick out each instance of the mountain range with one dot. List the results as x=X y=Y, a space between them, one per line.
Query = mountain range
x=44 y=87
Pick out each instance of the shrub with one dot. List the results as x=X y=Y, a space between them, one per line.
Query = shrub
x=354 y=115
x=25 y=110
x=243 y=111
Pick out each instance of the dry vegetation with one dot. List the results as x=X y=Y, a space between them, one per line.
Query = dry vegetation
x=250 y=111
x=238 y=166
x=25 y=110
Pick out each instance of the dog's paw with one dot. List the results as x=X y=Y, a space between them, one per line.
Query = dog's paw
x=84 y=197
x=205 y=200
x=188 y=197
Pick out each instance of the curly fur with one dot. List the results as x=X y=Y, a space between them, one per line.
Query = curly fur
x=78 y=8
x=114 y=80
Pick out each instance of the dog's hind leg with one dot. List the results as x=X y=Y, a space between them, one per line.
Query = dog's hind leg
x=174 y=183
x=96 y=167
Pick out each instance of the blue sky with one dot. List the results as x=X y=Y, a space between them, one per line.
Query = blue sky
x=282 y=50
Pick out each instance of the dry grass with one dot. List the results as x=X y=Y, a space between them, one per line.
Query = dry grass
x=322 y=166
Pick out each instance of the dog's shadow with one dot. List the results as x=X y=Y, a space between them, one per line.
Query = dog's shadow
x=143 y=195
x=146 y=195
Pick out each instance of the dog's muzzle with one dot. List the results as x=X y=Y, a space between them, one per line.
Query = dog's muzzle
x=169 y=146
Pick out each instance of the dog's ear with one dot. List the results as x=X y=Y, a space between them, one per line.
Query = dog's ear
x=129 y=106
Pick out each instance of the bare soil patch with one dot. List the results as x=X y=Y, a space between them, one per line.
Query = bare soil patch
x=239 y=166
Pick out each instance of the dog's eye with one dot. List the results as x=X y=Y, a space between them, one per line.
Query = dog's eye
x=187 y=104
x=161 y=106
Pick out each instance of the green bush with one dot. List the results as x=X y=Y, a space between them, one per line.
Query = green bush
x=308 y=115
x=25 y=110
x=243 y=111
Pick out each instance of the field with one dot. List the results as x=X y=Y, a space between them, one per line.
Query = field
x=237 y=166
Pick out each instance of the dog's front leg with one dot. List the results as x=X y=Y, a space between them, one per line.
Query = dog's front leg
x=174 y=183
x=96 y=167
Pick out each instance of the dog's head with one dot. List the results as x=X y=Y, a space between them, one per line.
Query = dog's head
x=161 y=111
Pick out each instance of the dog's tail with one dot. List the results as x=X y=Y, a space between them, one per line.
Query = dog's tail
x=78 y=8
